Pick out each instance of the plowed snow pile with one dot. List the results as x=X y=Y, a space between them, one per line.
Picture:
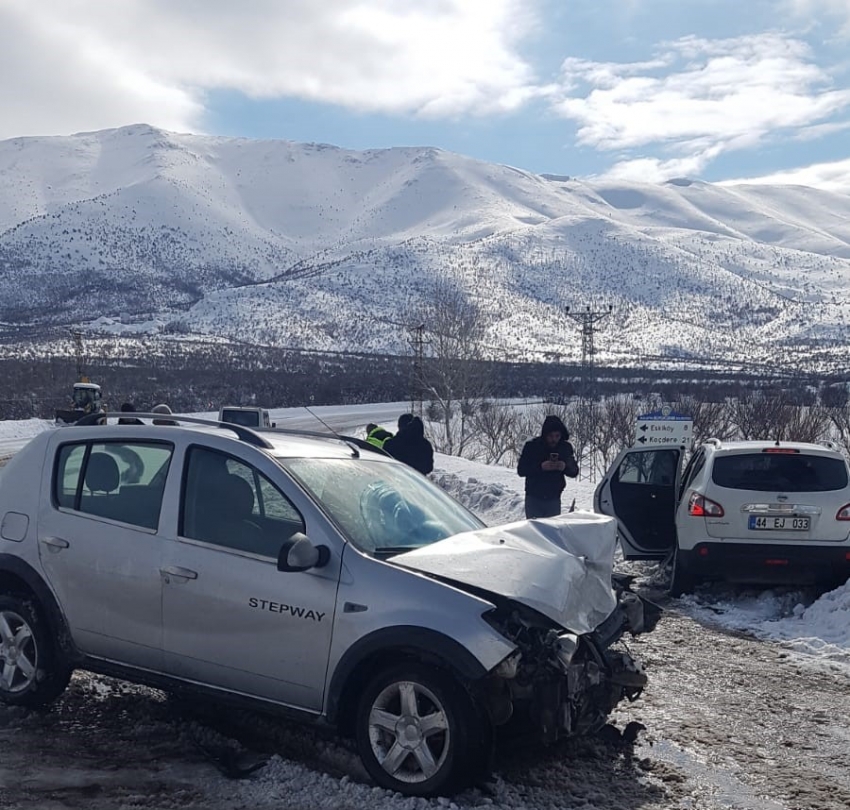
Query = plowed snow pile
x=817 y=625
x=822 y=629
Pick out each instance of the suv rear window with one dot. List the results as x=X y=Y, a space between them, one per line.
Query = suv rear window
x=778 y=472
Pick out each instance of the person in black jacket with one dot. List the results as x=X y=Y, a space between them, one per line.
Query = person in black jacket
x=410 y=445
x=129 y=407
x=544 y=463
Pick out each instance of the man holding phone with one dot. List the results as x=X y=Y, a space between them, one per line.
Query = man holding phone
x=544 y=463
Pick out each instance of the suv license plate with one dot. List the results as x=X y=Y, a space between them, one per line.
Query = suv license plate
x=779 y=524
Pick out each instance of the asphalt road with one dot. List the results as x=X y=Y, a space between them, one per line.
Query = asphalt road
x=342 y=418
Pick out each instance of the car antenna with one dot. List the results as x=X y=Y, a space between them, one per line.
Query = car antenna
x=347 y=443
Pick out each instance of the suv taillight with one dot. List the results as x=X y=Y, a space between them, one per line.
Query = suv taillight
x=843 y=513
x=700 y=506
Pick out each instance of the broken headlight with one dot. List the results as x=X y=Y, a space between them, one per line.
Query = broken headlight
x=565 y=647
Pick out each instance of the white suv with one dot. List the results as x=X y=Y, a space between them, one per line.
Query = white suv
x=312 y=576
x=752 y=512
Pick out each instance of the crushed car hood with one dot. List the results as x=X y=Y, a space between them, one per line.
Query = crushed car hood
x=560 y=567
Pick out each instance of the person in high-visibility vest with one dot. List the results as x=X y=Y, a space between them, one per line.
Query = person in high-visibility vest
x=377 y=435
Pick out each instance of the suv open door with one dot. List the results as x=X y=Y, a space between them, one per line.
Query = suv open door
x=641 y=490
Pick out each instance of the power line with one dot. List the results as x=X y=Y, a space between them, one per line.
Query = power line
x=588 y=321
x=417 y=342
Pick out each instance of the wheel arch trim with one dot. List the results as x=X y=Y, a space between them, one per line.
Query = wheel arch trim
x=404 y=639
x=46 y=600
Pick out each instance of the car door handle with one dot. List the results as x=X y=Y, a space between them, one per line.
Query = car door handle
x=177 y=571
x=55 y=542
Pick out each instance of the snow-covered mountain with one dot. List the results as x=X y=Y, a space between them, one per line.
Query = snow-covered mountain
x=315 y=246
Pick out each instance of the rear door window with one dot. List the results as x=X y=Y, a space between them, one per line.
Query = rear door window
x=779 y=472
x=121 y=481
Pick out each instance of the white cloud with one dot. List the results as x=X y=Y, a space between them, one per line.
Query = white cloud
x=808 y=10
x=697 y=99
x=656 y=170
x=834 y=176
x=86 y=64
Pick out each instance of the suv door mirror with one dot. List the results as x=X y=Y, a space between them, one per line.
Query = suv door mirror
x=299 y=554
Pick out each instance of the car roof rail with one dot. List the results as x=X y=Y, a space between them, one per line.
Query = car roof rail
x=352 y=441
x=716 y=442
x=244 y=434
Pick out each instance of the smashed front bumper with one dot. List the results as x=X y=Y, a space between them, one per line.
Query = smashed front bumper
x=558 y=684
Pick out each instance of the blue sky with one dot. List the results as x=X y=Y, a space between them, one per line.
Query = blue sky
x=637 y=89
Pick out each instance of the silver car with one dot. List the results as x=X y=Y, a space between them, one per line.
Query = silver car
x=311 y=576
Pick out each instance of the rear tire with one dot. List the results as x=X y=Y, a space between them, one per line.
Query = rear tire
x=31 y=669
x=682 y=581
x=418 y=732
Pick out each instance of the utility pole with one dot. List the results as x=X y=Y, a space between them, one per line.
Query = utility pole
x=77 y=337
x=588 y=321
x=417 y=342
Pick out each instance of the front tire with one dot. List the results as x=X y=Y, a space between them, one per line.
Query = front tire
x=31 y=670
x=418 y=732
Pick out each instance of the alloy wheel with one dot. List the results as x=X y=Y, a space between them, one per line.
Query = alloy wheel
x=409 y=732
x=18 y=653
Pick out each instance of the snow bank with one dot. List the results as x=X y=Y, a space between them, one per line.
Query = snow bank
x=495 y=493
x=822 y=629
x=14 y=429
x=817 y=625
x=14 y=434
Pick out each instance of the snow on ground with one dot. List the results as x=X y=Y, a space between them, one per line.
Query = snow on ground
x=22 y=428
x=495 y=493
x=15 y=433
x=814 y=624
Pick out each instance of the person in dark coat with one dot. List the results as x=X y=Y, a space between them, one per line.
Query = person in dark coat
x=544 y=463
x=410 y=445
x=129 y=407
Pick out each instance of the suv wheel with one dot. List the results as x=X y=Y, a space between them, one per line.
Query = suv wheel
x=31 y=673
x=681 y=580
x=418 y=732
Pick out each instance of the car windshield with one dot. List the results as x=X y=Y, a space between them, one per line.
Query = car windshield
x=780 y=472
x=382 y=508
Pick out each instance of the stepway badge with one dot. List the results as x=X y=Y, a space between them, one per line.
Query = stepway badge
x=664 y=428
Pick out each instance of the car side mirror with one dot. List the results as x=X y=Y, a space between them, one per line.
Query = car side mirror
x=299 y=554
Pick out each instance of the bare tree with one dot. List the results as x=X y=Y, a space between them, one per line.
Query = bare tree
x=496 y=427
x=712 y=420
x=809 y=423
x=761 y=415
x=615 y=429
x=453 y=375
x=839 y=416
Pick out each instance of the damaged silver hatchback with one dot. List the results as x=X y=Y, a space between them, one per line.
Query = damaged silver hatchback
x=311 y=576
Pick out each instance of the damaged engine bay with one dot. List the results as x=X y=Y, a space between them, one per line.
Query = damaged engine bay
x=559 y=684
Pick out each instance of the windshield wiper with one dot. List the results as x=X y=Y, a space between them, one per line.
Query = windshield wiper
x=389 y=551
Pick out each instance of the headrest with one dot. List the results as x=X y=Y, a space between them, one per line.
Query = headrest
x=102 y=473
x=238 y=496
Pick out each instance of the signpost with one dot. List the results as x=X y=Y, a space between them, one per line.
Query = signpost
x=664 y=428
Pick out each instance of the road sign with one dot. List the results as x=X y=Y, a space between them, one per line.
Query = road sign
x=663 y=428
